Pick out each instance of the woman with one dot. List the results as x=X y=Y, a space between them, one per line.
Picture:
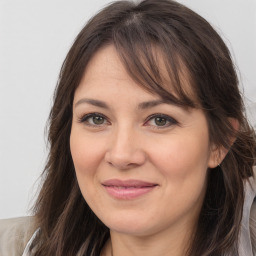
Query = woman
x=151 y=153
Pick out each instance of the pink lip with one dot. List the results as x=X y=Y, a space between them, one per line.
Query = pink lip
x=127 y=189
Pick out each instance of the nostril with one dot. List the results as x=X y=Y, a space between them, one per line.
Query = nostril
x=125 y=161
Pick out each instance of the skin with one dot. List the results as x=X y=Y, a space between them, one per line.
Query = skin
x=129 y=145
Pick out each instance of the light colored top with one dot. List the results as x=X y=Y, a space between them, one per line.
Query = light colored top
x=17 y=234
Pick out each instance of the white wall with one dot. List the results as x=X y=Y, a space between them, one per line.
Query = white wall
x=34 y=39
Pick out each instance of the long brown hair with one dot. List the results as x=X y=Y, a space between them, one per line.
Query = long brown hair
x=188 y=44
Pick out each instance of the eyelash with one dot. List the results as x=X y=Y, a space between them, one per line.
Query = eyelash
x=84 y=119
x=169 y=120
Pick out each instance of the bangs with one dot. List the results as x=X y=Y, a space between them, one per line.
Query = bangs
x=152 y=60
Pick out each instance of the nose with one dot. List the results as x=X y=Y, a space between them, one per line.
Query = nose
x=125 y=149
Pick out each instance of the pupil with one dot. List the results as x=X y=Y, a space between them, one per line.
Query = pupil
x=98 y=120
x=160 y=121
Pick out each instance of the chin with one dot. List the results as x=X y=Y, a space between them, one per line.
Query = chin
x=131 y=225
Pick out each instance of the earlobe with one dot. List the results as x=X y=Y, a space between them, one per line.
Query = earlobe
x=217 y=156
x=218 y=153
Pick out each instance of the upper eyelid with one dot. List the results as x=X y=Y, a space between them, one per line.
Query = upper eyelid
x=88 y=115
x=170 y=122
x=161 y=115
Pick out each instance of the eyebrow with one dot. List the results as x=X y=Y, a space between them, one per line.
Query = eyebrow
x=93 y=102
x=142 y=105
x=153 y=103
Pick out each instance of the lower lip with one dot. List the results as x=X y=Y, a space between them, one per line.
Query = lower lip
x=128 y=193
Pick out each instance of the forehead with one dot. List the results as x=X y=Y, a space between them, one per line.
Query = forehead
x=152 y=74
x=105 y=62
x=106 y=76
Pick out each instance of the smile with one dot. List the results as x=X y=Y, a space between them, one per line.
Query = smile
x=129 y=189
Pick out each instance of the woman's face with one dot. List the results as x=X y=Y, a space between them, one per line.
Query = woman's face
x=141 y=163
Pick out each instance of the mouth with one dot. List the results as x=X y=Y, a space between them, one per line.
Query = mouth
x=128 y=189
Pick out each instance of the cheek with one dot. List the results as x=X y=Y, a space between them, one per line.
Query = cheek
x=182 y=157
x=87 y=156
x=183 y=166
x=86 y=153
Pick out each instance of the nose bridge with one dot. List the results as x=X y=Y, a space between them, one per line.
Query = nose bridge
x=125 y=147
x=122 y=138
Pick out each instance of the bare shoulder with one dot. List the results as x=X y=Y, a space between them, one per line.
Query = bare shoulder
x=14 y=235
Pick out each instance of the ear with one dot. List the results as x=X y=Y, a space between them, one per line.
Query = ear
x=218 y=153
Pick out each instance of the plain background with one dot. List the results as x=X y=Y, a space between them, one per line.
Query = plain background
x=34 y=39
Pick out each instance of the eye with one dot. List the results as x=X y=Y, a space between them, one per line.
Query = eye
x=160 y=121
x=93 y=119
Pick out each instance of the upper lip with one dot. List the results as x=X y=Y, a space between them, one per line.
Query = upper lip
x=127 y=183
